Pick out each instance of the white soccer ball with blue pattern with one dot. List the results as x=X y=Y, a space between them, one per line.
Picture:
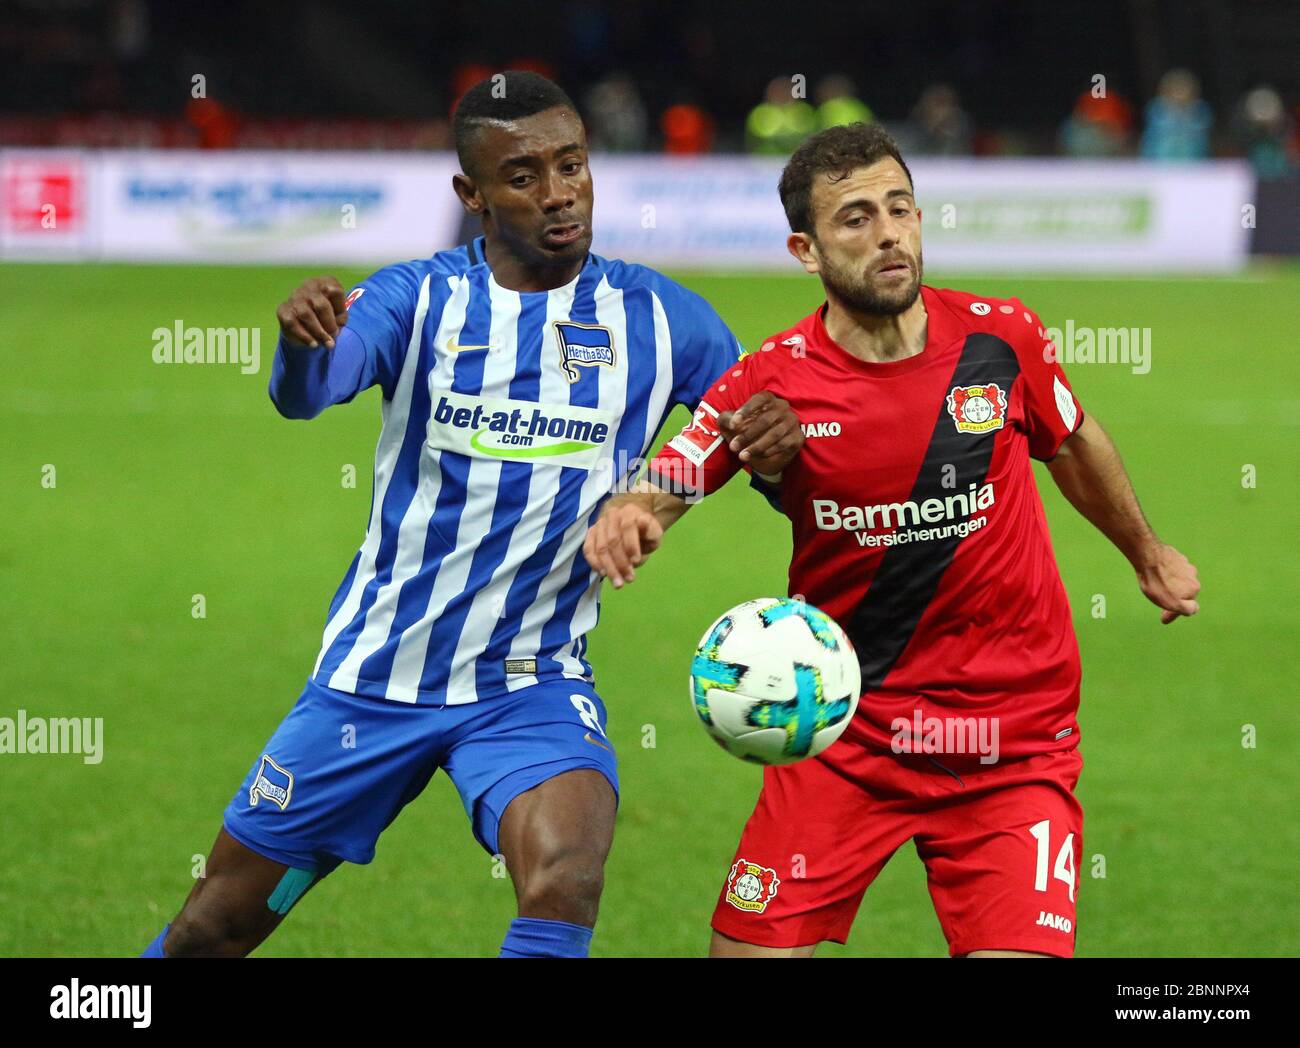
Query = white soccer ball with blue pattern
x=775 y=681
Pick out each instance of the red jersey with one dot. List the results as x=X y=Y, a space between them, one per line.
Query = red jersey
x=916 y=520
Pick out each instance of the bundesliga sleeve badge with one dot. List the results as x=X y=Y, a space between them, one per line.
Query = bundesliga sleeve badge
x=699 y=440
x=977 y=409
x=751 y=887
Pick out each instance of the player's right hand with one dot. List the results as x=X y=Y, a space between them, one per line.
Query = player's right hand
x=1170 y=582
x=625 y=533
x=315 y=313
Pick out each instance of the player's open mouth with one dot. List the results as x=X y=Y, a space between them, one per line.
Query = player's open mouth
x=558 y=236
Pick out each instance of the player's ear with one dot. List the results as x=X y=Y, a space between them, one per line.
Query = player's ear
x=470 y=197
x=801 y=246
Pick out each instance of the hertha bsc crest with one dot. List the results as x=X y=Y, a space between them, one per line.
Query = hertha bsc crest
x=272 y=782
x=751 y=887
x=583 y=346
x=977 y=409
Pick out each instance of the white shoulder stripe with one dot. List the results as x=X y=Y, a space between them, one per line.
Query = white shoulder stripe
x=663 y=387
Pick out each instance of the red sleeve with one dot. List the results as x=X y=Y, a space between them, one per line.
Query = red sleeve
x=697 y=461
x=1052 y=412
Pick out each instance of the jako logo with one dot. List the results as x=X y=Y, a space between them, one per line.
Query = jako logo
x=1054 y=920
x=820 y=429
x=497 y=428
x=102 y=1002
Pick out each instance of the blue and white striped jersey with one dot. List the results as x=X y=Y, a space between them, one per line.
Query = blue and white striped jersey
x=508 y=418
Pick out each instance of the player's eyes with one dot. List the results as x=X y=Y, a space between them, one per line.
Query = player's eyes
x=519 y=181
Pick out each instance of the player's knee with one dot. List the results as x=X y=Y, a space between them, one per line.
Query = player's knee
x=564 y=885
x=199 y=935
x=205 y=929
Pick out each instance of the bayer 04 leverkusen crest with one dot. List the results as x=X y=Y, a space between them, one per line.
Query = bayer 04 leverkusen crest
x=751 y=887
x=977 y=409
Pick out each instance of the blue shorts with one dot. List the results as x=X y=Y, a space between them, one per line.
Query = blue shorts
x=339 y=768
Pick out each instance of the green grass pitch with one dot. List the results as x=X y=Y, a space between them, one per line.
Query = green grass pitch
x=181 y=480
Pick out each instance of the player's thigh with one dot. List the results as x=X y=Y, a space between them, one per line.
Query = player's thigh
x=563 y=826
x=722 y=946
x=515 y=764
x=815 y=842
x=234 y=878
x=1006 y=953
x=334 y=774
x=1003 y=865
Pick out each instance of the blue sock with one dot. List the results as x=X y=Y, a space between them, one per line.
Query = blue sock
x=534 y=937
x=154 y=949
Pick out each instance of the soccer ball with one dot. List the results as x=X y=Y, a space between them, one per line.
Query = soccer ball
x=775 y=681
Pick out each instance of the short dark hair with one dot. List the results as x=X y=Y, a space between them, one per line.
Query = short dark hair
x=510 y=95
x=837 y=150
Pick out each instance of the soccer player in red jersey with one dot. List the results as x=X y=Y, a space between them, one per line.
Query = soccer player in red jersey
x=917 y=525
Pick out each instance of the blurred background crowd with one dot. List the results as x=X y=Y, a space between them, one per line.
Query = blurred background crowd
x=1170 y=80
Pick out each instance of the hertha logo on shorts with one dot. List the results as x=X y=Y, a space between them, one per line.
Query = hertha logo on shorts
x=751 y=887
x=272 y=782
x=977 y=409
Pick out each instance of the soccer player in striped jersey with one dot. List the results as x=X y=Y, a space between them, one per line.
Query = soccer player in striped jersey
x=917 y=525
x=523 y=379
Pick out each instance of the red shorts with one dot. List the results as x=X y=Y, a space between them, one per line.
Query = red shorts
x=1000 y=844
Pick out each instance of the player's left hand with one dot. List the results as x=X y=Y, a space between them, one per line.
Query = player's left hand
x=625 y=533
x=1169 y=581
x=764 y=432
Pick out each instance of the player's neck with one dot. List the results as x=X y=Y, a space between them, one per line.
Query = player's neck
x=875 y=338
x=515 y=274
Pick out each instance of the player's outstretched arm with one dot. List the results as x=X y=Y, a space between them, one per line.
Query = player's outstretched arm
x=630 y=528
x=1088 y=470
x=310 y=373
x=763 y=432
